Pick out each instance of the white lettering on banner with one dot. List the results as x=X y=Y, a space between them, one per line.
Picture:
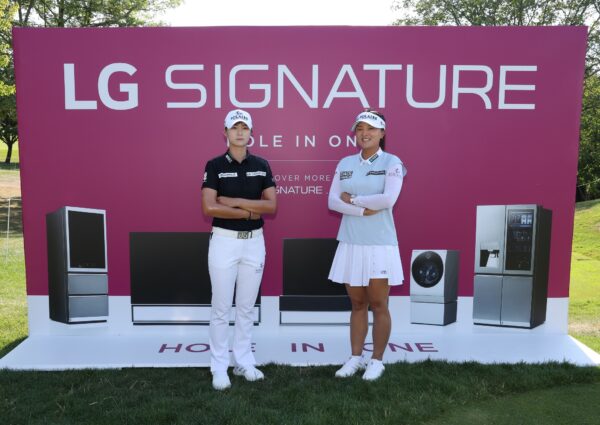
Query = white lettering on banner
x=275 y=141
x=480 y=91
x=286 y=178
x=317 y=177
x=70 y=101
x=185 y=86
x=335 y=141
x=266 y=88
x=308 y=141
x=130 y=89
x=409 y=90
x=311 y=101
x=300 y=190
x=217 y=86
x=504 y=87
x=382 y=69
x=286 y=187
x=120 y=105
x=203 y=87
x=357 y=93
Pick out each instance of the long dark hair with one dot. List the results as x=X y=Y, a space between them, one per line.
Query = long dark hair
x=380 y=115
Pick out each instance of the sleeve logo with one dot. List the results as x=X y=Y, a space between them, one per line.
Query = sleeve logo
x=345 y=175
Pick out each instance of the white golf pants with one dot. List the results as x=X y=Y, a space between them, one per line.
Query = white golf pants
x=233 y=264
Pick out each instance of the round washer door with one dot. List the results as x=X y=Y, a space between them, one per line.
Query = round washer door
x=427 y=269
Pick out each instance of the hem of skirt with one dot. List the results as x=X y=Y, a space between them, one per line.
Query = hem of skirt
x=364 y=284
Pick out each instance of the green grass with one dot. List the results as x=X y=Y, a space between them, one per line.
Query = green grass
x=14 y=159
x=584 y=292
x=13 y=303
x=406 y=394
x=531 y=408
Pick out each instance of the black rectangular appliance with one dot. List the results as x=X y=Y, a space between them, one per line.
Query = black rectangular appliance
x=309 y=297
x=170 y=283
x=77 y=265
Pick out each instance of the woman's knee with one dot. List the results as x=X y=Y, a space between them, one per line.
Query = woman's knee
x=359 y=304
x=378 y=306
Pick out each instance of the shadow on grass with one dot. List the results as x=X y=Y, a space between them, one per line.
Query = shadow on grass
x=10 y=166
x=585 y=205
x=10 y=346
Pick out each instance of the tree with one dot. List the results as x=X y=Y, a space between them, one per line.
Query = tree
x=60 y=13
x=8 y=124
x=533 y=12
x=90 y=13
x=8 y=113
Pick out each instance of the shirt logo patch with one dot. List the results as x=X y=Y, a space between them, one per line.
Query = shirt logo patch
x=205 y=177
x=225 y=175
x=373 y=158
x=397 y=172
x=256 y=173
x=345 y=175
x=376 y=173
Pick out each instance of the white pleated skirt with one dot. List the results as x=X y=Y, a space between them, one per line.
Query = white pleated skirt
x=356 y=264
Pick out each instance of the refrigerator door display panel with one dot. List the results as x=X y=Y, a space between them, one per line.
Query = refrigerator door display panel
x=520 y=239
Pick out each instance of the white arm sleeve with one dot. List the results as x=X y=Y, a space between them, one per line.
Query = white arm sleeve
x=393 y=184
x=335 y=202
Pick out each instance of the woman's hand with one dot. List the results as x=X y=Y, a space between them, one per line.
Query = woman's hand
x=346 y=197
x=370 y=212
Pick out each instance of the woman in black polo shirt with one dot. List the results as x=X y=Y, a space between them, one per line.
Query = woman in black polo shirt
x=238 y=188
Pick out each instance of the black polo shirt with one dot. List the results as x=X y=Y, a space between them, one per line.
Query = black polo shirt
x=246 y=179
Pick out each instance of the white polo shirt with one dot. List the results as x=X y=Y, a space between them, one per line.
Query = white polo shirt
x=376 y=183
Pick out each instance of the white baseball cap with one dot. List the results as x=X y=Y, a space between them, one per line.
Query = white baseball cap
x=371 y=119
x=238 y=115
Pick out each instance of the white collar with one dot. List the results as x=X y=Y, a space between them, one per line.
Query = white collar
x=370 y=160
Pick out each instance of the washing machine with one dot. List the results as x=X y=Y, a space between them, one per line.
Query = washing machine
x=433 y=286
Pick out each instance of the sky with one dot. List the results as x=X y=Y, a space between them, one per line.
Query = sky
x=282 y=12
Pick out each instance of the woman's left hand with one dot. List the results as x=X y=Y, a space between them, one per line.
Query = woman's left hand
x=346 y=197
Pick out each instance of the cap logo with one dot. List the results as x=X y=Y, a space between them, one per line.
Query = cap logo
x=371 y=119
x=237 y=115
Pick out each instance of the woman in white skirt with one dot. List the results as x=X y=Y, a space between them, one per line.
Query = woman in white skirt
x=364 y=190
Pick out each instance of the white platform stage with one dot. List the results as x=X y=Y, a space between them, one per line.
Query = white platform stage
x=118 y=343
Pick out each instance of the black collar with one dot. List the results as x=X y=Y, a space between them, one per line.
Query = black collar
x=231 y=159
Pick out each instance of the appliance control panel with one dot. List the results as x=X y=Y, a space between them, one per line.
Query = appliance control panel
x=519 y=239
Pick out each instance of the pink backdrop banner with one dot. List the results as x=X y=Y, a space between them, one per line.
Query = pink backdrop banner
x=125 y=120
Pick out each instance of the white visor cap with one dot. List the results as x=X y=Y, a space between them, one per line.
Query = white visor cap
x=371 y=119
x=238 y=115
